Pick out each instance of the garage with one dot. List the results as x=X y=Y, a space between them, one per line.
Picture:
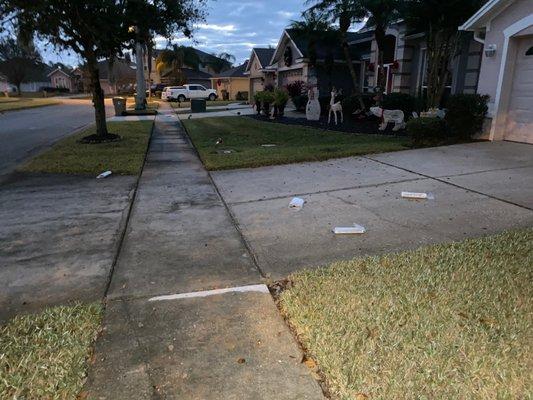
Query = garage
x=519 y=123
x=505 y=28
x=256 y=85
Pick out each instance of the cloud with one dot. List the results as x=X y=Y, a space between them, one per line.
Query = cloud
x=286 y=14
x=215 y=27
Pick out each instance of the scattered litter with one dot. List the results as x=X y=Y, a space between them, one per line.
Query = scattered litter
x=269 y=145
x=349 y=230
x=219 y=141
x=189 y=117
x=104 y=174
x=296 y=203
x=417 y=195
x=227 y=151
x=241 y=360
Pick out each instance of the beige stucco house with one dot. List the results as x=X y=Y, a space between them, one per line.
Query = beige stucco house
x=259 y=71
x=505 y=29
x=232 y=84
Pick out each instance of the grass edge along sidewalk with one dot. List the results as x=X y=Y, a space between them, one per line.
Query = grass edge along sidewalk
x=69 y=156
x=46 y=355
x=448 y=321
x=243 y=141
x=15 y=103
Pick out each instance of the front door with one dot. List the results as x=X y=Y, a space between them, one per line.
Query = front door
x=519 y=122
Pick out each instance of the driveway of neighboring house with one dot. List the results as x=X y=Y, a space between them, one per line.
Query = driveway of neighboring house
x=25 y=133
x=479 y=188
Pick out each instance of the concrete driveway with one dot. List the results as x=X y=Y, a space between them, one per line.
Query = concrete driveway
x=479 y=189
x=25 y=133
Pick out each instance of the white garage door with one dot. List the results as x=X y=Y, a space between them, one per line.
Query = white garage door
x=520 y=116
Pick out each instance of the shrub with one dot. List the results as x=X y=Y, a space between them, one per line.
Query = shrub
x=400 y=101
x=241 y=96
x=280 y=97
x=296 y=88
x=267 y=96
x=465 y=114
x=300 y=102
x=426 y=131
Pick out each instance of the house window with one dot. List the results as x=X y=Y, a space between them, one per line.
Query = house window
x=529 y=52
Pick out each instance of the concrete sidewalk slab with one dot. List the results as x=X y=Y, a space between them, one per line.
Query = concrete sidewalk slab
x=311 y=177
x=58 y=238
x=461 y=158
x=285 y=240
x=223 y=113
x=512 y=185
x=180 y=237
x=229 y=346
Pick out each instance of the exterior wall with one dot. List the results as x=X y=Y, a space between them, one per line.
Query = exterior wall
x=204 y=82
x=60 y=80
x=490 y=66
x=258 y=77
x=107 y=87
x=231 y=85
x=33 y=86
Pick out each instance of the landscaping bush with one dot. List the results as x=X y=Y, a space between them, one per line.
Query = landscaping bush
x=300 y=102
x=400 y=101
x=350 y=104
x=295 y=89
x=241 y=96
x=426 y=131
x=465 y=114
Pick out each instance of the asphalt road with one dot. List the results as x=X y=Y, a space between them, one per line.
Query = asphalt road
x=25 y=133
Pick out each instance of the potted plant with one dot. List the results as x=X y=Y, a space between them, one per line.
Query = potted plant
x=281 y=97
x=258 y=99
x=267 y=98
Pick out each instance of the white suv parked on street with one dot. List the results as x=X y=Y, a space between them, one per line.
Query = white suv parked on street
x=187 y=92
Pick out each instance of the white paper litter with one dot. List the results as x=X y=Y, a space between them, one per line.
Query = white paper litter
x=104 y=174
x=296 y=203
x=349 y=230
x=268 y=145
x=417 y=195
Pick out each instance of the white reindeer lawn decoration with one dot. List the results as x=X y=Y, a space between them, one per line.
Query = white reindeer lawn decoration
x=335 y=107
x=387 y=116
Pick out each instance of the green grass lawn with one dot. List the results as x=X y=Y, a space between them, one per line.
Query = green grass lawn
x=187 y=104
x=45 y=356
x=124 y=157
x=293 y=143
x=450 y=321
x=19 y=103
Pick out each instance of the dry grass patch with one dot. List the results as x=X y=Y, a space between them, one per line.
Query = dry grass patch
x=44 y=356
x=19 y=103
x=450 y=321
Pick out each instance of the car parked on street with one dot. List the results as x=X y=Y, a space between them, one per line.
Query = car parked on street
x=188 y=92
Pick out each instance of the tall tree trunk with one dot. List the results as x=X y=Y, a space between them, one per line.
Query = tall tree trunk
x=379 y=34
x=349 y=63
x=18 y=88
x=140 y=99
x=98 y=97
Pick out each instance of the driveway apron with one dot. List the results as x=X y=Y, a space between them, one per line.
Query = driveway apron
x=169 y=331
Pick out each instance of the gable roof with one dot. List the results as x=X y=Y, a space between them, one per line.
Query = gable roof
x=264 y=55
x=190 y=73
x=359 y=45
x=235 y=72
x=205 y=58
x=61 y=70
x=486 y=13
x=122 y=67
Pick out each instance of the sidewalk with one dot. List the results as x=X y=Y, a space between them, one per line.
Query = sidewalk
x=181 y=240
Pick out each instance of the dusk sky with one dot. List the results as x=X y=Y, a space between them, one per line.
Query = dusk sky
x=231 y=26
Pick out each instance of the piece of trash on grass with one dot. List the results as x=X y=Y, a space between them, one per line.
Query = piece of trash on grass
x=349 y=230
x=296 y=203
x=268 y=145
x=219 y=141
x=417 y=195
x=104 y=174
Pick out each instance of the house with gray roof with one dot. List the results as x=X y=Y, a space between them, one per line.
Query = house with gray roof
x=259 y=71
x=232 y=84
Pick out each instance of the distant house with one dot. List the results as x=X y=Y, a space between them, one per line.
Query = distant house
x=37 y=78
x=504 y=29
x=65 y=78
x=232 y=84
x=5 y=87
x=259 y=70
x=194 y=74
x=116 y=77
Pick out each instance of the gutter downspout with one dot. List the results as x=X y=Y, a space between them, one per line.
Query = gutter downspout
x=478 y=38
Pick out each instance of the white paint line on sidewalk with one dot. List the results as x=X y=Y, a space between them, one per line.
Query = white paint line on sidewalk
x=262 y=288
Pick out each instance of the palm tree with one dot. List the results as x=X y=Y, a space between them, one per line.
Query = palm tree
x=345 y=12
x=312 y=27
x=220 y=61
x=380 y=13
x=175 y=59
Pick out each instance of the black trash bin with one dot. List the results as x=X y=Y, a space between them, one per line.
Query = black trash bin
x=198 y=105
